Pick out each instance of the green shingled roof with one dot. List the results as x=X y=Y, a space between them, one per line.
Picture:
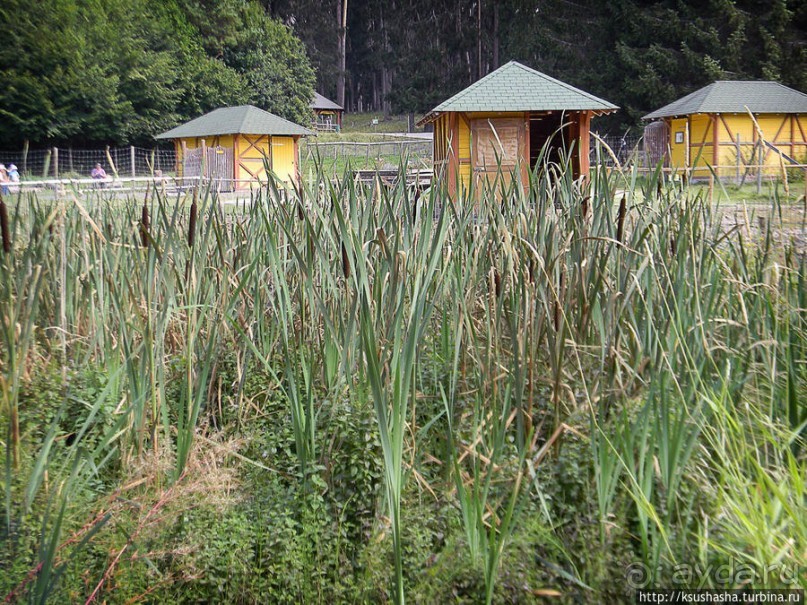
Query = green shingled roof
x=244 y=119
x=515 y=87
x=733 y=97
x=320 y=102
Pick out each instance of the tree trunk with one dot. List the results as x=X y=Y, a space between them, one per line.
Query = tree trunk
x=495 y=36
x=479 y=71
x=341 y=16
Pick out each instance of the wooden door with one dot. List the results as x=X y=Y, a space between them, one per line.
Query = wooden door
x=219 y=167
x=498 y=152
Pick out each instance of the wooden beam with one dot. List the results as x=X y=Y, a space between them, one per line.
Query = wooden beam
x=583 y=133
x=715 y=141
x=236 y=161
x=453 y=153
x=792 y=137
x=728 y=130
x=525 y=170
x=801 y=130
x=296 y=160
x=774 y=140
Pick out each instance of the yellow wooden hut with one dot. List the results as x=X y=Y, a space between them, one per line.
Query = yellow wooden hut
x=711 y=128
x=327 y=114
x=233 y=146
x=505 y=119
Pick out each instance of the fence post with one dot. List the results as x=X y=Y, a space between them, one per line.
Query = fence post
x=56 y=162
x=181 y=164
x=46 y=166
x=739 y=158
x=760 y=159
x=132 y=157
x=25 y=157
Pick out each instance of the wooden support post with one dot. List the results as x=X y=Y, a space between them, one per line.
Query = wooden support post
x=132 y=158
x=25 y=157
x=686 y=149
x=203 y=167
x=46 y=166
x=739 y=157
x=236 y=161
x=453 y=154
x=715 y=145
x=56 y=162
x=583 y=129
x=181 y=160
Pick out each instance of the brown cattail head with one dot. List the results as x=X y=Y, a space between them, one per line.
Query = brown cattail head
x=345 y=262
x=382 y=238
x=658 y=187
x=531 y=270
x=620 y=219
x=4 y=227
x=144 y=226
x=495 y=282
x=192 y=224
x=673 y=247
x=584 y=207
x=415 y=203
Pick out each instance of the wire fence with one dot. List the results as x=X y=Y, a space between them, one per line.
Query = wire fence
x=383 y=152
x=67 y=163
x=642 y=152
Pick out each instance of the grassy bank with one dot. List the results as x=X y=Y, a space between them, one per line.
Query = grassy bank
x=361 y=395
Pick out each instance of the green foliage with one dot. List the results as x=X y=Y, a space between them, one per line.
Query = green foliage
x=117 y=72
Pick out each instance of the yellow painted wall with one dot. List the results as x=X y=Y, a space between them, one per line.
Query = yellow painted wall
x=252 y=153
x=790 y=141
x=776 y=129
x=251 y=156
x=678 y=141
x=217 y=141
x=284 y=162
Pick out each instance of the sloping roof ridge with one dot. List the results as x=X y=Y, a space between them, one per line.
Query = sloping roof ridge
x=477 y=84
x=565 y=85
x=245 y=113
x=708 y=91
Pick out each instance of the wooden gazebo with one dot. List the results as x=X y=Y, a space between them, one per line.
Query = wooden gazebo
x=327 y=114
x=499 y=125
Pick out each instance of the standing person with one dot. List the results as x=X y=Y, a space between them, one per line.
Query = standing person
x=14 y=178
x=3 y=180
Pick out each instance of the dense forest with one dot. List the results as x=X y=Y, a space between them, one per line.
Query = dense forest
x=91 y=71
x=408 y=55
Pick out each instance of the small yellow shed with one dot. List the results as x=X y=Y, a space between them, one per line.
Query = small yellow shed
x=498 y=127
x=233 y=146
x=711 y=129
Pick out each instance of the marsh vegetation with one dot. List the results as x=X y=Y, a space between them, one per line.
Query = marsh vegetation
x=355 y=393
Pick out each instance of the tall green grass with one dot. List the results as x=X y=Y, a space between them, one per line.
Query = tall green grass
x=481 y=331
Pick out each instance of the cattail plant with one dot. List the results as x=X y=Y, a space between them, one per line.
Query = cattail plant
x=4 y=229
x=144 y=226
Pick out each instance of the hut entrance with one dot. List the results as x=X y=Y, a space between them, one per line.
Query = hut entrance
x=217 y=164
x=552 y=127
